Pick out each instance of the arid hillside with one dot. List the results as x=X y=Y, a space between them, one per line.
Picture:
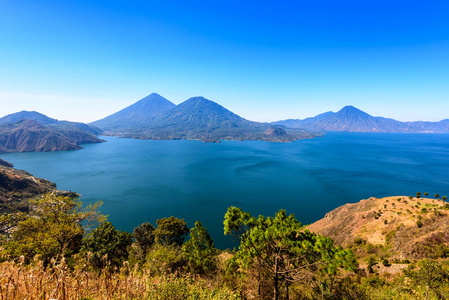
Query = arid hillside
x=395 y=227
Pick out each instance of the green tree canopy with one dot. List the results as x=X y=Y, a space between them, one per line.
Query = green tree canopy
x=279 y=248
x=199 y=250
x=107 y=246
x=52 y=229
x=171 y=231
x=144 y=236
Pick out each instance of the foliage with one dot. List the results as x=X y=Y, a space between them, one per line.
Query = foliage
x=199 y=251
x=371 y=262
x=164 y=259
x=106 y=246
x=144 y=236
x=52 y=229
x=278 y=248
x=171 y=231
x=431 y=275
x=187 y=288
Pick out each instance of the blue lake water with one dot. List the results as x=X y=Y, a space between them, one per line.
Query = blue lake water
x=142 y=181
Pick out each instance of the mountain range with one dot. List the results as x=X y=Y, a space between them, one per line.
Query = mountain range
x=34 y=132
x=155 y=117
x=352 y=119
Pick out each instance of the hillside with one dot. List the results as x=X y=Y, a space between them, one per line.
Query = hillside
x=353 y=119
x=395 y=227
x=154 y=117
x=28 y=135
x=17 y=186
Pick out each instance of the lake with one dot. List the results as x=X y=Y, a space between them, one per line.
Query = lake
x=143 y=180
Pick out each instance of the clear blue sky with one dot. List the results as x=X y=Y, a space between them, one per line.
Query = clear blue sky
x=265 y=60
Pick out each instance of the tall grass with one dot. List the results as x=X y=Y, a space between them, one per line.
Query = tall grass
x=18 y=281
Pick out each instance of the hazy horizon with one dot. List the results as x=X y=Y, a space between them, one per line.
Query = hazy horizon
x=84 y=60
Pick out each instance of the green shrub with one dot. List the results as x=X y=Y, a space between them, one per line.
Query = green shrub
x=419 y=223
x=187 y=288
x=106 y=246
x=165 y=259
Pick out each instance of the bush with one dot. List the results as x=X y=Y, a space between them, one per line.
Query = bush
x=144 y=236
x=165 y=259
x=371 y=262
x=359 y=241
x=171 y=231
x=419 y=223
x=52 y=230
x=106 y=246
x=187 y=288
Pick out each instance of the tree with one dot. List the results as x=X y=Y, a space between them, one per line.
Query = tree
x=144 y=236
x=426 y=194
x=437 y=196
x=52 y=229
x=418 y=195
x=278 y=248
x=107 y=246
x=171 y=231
x=444 y=198
x=199 y=250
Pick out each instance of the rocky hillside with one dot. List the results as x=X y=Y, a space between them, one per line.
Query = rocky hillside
x=396 y=227
x=30 y=136
x=17 y=186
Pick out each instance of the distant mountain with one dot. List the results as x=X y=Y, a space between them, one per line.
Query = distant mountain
x=308 y=122
x=30 y=136
x=195 y=118
x=54 y=123
x=30 y=115
x=140 y=113
x=352 y=119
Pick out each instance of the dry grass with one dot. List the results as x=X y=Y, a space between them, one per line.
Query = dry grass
x=18 y=281
x=374 y=218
